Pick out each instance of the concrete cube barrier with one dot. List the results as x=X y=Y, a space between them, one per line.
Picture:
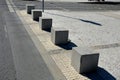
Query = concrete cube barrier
x=29 y=8
x=83 y=60
x=45 y=23
x=36 y=13
x=59 y=36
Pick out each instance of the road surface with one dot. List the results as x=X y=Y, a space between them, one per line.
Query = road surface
x=19 y=58
x=7 y=68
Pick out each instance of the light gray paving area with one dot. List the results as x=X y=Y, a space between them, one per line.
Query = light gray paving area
x=88 y=28
x=62 y=58
x=109 y=60
x=96 y=30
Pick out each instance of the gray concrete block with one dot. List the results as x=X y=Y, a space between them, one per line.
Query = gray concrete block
x=84 y=60
x=59 y=36
x=36 y=13
x=45 y=23
x=29 y=8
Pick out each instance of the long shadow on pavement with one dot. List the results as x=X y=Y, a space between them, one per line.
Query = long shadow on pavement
x=100 y=74
x=87 y=21
x=68 y=46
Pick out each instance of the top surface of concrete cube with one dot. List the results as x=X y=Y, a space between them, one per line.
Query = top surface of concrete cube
x=84 y=51
x=30 y=4
x=59 y=29
x=44 y=18
x=36 y=10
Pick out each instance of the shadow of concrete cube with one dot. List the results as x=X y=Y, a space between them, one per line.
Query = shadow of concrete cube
x=59 y=36
x=84 y=60
x=36 y=13
x=29 y=8
x=45 y=23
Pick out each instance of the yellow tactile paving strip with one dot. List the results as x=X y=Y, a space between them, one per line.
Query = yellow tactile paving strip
x=64 y=63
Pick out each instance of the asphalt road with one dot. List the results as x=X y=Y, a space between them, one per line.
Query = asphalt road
x=71 y=6
x=19 y=58
x=7 y=69
x=28 y=62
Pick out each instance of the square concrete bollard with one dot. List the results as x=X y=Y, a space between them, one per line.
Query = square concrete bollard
x=83 y=60
x=29 y=8
x=45 y=23
x=59 y=36
x=36 y=13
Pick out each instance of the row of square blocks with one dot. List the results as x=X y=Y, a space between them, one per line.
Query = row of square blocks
x=83 y=59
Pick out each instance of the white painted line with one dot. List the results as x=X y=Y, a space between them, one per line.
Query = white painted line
x=12 y=3
x=5 y=28
x=9 y=6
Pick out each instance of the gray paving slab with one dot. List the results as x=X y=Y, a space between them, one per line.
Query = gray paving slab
x=28 y=62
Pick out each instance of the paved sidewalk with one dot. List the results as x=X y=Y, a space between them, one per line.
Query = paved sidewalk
x=98 y=30
x=45 y=39
x=88 y=32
